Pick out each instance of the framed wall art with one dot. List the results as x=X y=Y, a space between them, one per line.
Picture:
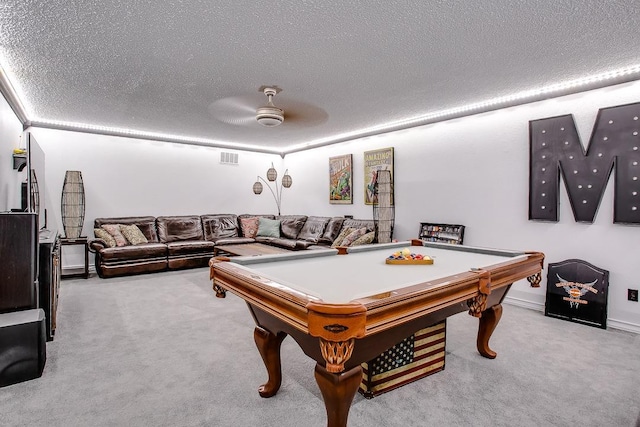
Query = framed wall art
x=341 y=180
x=373 y=162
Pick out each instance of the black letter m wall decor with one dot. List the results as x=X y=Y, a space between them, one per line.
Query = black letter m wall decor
x=555 y=149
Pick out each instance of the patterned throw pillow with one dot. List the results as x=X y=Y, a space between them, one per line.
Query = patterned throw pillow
x=268 y=227
x=365 y=239
x=102 y=234
x=344 y=233
x=114 y=230
x=354 y=236
x=133 y=234
x=249 y=226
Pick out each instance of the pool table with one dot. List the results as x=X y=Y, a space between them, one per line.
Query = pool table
x=345 y=307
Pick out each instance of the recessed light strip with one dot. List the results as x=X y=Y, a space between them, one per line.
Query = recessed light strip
x=586 y=83
x=559 y=89
x=154 y=136
x=12 y=94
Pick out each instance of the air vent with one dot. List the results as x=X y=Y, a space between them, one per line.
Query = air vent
x=228 y=158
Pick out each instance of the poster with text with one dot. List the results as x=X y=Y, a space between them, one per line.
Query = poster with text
x=340 y=180
x=373 y=162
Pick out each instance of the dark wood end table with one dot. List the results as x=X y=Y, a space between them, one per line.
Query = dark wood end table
x=82 y=240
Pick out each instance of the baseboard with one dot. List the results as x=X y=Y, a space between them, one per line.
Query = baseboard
x=79 y=268
x=524 y=303
x=623 y=326
x=611 y=323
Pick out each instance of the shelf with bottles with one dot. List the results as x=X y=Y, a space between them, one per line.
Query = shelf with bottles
x=442 y=233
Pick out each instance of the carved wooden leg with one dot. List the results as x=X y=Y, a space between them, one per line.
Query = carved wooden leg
x=269 y=347
x=535 y=279
x=220 y=291
x=488 y=322
x=338 y=391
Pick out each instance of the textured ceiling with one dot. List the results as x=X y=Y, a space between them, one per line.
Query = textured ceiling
x=191 y=70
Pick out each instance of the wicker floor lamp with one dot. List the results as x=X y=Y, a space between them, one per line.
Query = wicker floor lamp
x=383 y=210
x=73 y=204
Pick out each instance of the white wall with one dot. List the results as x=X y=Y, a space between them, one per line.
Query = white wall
x=10 y=138
x=131 y=177
x=471 y=171
x=126 y=177
x=474 y=171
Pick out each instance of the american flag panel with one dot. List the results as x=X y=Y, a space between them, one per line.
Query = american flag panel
x=415 y=357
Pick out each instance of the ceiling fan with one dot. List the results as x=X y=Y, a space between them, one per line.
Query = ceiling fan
x=269 y=115
x=245 y=110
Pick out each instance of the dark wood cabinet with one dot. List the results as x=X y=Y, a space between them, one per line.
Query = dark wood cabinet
x=29 y=267
x=49 y=279
x=18 y=261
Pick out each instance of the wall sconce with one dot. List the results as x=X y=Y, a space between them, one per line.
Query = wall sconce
x=272 y=175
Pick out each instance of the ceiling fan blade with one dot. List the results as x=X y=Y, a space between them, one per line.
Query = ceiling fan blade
x=235 y=110
x=302 y=113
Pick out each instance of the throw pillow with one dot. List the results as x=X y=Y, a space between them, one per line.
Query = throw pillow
x=365 y=239
x=133 y=234
x=268 y=227
x=344 y=233
x=249 y=226
x=104 y=235
x=114 y=230
x=353 y=236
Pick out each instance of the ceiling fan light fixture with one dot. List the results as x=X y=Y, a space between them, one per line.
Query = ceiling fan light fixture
x=269 y=115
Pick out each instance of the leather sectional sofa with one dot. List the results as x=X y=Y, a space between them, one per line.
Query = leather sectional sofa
x=177 y=242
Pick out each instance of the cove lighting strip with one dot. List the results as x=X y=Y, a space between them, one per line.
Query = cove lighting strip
x=566 y=88
x=12 y=93
x=154 y=136
x=582 y=84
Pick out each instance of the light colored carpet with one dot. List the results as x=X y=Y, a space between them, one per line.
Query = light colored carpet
x=162 y=350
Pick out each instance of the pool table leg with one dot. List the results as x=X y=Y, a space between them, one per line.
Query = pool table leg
x=338 y=391
x=268 y=345
x=488 y=322
x=220 y=291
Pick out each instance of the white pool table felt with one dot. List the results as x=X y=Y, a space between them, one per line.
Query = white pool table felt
x=342 y=278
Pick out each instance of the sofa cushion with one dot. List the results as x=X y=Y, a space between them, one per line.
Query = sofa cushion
x=234 y=241
x=222 y=226
x=290 y=225
x=114 y=230
x=264 y=239
x=133 y=234
x=313 y=228
x=177 y=228
x=332 y=230
x=353 y=236
x=344 y=233
x=146 y=224
x=103 y=234
x=278 y=241
x=365 y=239
x=240 y=217
x=249 y=226
x=268 y=227
x=303 y=244
x=187 y=247
x=132 y=253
